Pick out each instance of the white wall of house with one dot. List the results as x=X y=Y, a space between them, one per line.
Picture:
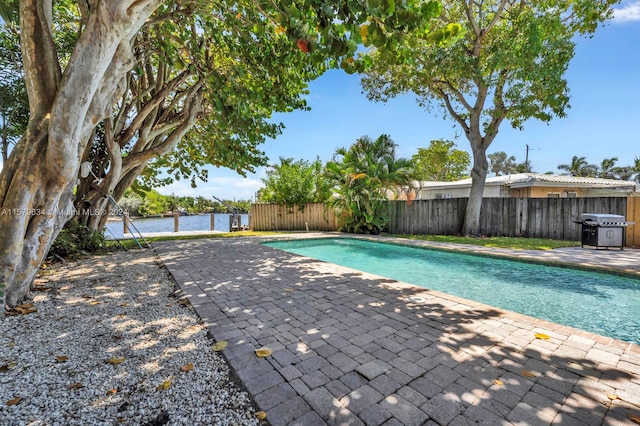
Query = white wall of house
x=431 y=193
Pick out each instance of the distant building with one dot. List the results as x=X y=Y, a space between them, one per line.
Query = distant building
x=529 y=185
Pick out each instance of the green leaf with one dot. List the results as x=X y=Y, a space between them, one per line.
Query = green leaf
x=432 y=9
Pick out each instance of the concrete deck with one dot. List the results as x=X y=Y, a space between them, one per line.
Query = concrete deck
x=349 y=349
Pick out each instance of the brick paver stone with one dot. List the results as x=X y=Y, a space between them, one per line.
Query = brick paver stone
x=361 y=398
x=402 y=410
x=323 y=403
x=373 y=369
x=374 y=415
x=442 y=409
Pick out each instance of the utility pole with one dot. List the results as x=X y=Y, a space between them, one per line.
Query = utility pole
x=526 y=160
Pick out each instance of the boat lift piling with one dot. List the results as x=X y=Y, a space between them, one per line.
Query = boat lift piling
x=235 y=218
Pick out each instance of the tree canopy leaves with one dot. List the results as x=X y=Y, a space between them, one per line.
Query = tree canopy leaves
x=441 y=161
x=294 y=183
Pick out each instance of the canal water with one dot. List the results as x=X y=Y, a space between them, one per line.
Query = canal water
x=165 y=224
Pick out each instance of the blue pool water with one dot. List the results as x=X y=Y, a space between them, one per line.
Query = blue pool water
x=601 y=303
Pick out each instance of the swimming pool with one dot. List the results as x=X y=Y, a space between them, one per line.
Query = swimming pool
x=601 y=303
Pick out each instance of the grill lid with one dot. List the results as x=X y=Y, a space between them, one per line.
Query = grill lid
x=603 y=219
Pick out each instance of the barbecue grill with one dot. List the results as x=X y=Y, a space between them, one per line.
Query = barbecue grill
x=603 y=230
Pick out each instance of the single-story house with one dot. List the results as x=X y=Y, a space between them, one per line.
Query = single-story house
x=529 y=185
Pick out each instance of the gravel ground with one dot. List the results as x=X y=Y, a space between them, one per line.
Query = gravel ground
x=109 y=344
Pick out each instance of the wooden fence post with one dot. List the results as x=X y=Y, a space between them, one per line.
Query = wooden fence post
x=633 y=215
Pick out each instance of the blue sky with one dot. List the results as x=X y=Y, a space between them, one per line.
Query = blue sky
x=604 y=79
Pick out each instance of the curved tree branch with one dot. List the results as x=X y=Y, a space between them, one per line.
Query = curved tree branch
x=150 y=106
x=192 y=110
x=496 y=17
x=445 y=97
x=40 y=61
x=468 y=8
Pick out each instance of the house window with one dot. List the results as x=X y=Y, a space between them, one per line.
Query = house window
x=571 y=194
x=553 y=195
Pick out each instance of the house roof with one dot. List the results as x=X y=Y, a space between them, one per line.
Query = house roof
x=521 y=180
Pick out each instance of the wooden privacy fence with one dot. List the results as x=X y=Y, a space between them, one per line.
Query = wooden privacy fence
x=274 y=217
x=509 y=217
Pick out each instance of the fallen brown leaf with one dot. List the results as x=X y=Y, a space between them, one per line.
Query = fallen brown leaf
x=116 y=360
x=263 y=352
x=13 y=401
x=165 y=385
x=187 y=367
x=112 y=391
x=498 y=382
x=542 y=336
x=76 y=385
x=218 y=346
x=612 y=396
x=527 y=374
x=8 y=366
x=261 y=415
x=24 y=309
x=62 y=358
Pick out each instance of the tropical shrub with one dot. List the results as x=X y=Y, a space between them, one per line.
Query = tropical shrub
x=76 y=238
x=363 y=177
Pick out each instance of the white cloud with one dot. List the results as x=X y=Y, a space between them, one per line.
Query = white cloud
x=627 y=13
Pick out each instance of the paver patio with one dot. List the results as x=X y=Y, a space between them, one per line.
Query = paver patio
x=350 y=349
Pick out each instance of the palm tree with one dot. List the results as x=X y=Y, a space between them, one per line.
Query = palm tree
x=628 y=172
x=636 y=170
x=579 y=167
x=500 y=164
x=361 y=177
x=608 y=169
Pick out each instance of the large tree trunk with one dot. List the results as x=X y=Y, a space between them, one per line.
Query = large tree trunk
x=471 y=225
x=34 y=209
x=37 y=182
